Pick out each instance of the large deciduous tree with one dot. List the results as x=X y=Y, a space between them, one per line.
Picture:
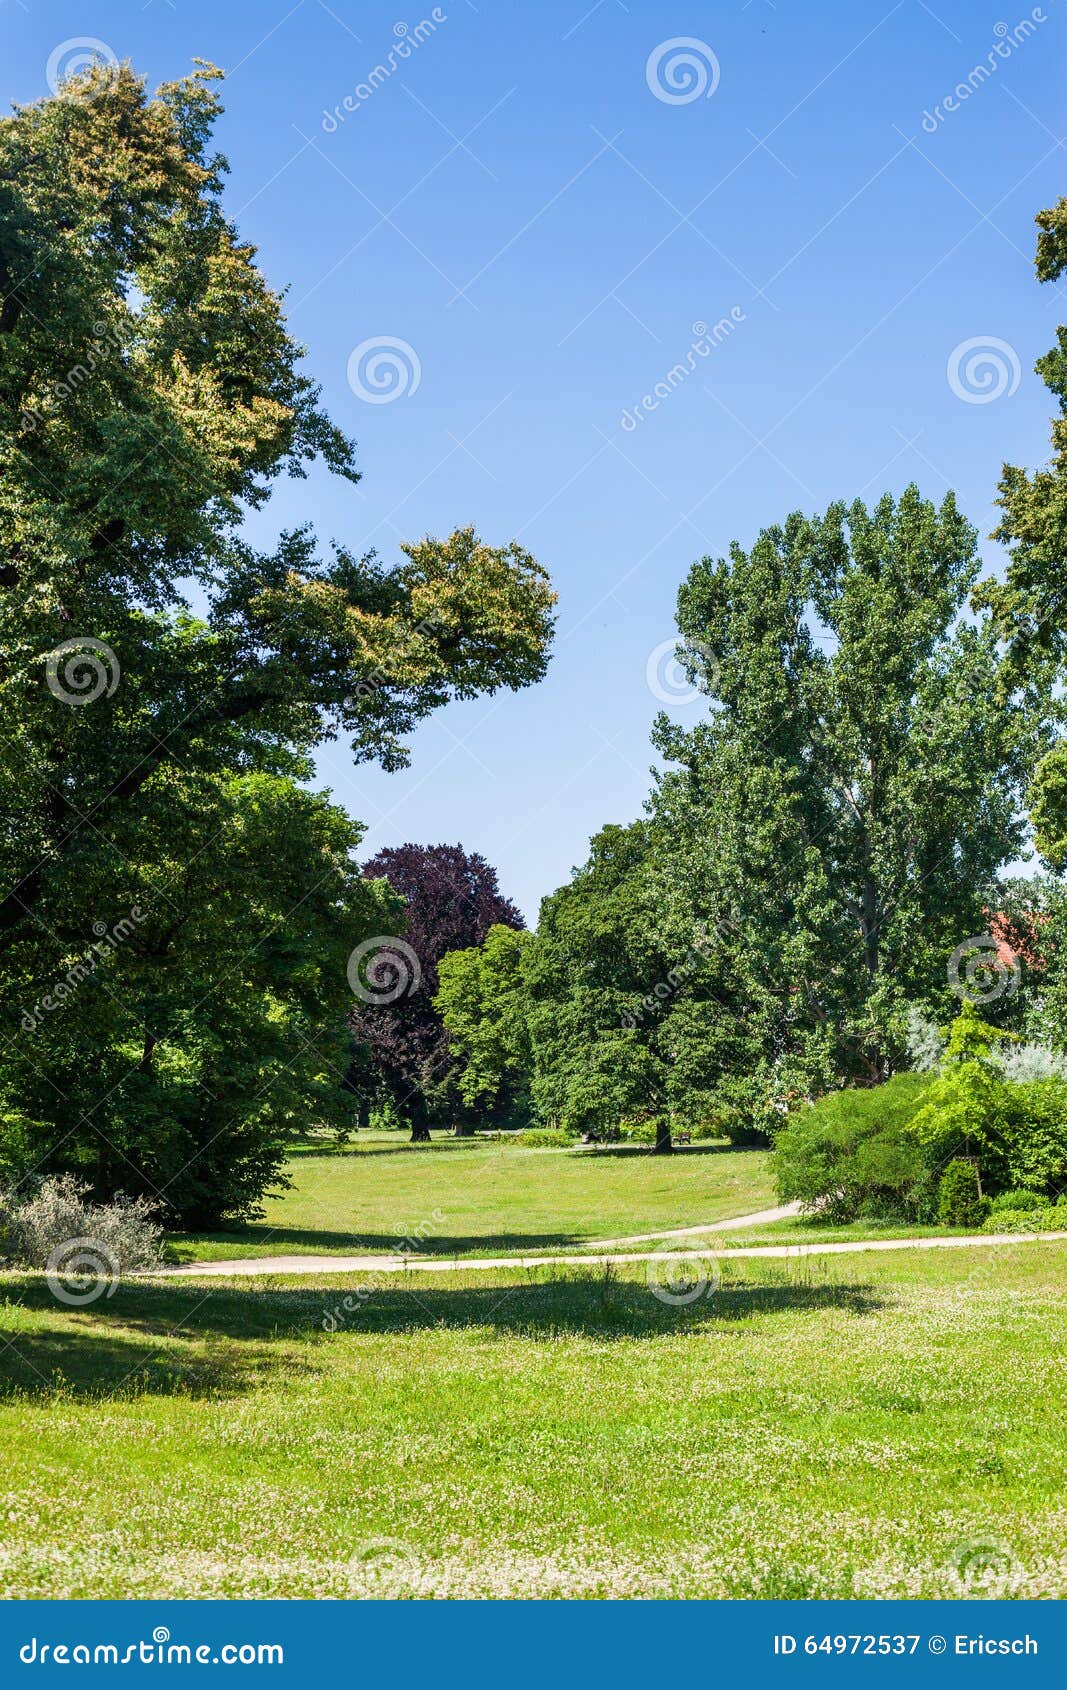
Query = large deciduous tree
x=481 y=1000
x=1029 y=604
x=859 y=778
x=150 y=394
x=452 y=899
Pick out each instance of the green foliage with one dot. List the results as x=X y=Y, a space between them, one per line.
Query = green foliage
x=1029 y=604
x=542 y=1138
x=1035 y=1127
x=966 y=1109
x=854 y=1151
x=839 y=815
x=177 y=910
x=959 y=1196
x=1049 y=1217
x=1009 y=1202
x=481 y=1001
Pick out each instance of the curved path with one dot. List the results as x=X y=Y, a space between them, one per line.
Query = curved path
x=259 y=1266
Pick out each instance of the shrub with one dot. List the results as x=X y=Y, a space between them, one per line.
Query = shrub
x=123 y=1232
x=541 y=1138
x=1050 y=1218
x=1025 y=1062
x=638 y=1131
x=1011 y=1201
x=1035 y=1131
x=852 y=1149
x=960 y=1200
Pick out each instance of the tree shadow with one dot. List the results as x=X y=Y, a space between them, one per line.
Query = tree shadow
x=174 y=1338
x=136 y=1341
x=578 y=1303
x=318 y=1243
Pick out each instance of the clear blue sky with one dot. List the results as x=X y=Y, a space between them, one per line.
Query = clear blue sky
x=516 y=203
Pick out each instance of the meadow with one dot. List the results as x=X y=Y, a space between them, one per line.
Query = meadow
x=864 y=1426
x=461 y=1197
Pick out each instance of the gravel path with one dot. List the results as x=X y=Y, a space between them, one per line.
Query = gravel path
x=258 y=1266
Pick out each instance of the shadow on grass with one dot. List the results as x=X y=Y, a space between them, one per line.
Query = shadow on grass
x=223 y=1340
x=316 y=1242
x=718 y=1147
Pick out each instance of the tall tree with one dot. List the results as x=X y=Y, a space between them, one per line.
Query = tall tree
x=451 y=901
x=150 y=393
x=1029 y=604
x=481 y=1000
x=859 y=778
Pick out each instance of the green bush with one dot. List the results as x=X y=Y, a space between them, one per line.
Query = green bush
x=1035 y=1130
x=960 y=1200
x=1011 y=1201
x=639 y=1130
x=1052 y=1217
x=852 y=1150
x=541 y=1138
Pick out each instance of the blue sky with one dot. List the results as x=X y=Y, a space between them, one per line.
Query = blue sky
x=518 y=204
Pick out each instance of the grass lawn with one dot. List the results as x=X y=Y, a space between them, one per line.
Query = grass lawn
x=470 y=1197
x=880 y=1425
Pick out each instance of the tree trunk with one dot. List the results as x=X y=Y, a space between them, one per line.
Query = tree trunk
x=664 y=1144
x=420 y=1133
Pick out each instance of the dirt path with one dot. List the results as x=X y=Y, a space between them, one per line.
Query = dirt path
x=762 y=1217
x=258 y=1266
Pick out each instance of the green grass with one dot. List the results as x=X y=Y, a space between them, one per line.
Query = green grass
x=879 y=1425
x=467 y=1197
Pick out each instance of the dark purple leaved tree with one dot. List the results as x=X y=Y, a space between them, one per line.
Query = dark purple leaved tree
x=401 y=1046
